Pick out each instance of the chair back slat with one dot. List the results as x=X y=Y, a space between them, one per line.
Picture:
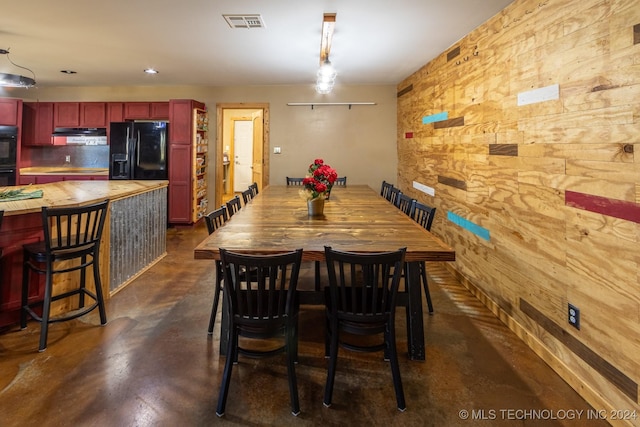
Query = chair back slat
x=233 y=206
x=260 y=288
x=423 y=215
x=216 y=219
x=294 y=181
x=405 y=203
x=363 y=287
x=394 y=194
x=385 y=188
x=74 y=227
x=247 y=196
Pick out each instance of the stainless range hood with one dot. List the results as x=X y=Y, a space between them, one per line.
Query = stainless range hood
x=80 y=132
x=79 y=136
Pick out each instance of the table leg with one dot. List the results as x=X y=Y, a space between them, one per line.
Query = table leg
x=415 y=327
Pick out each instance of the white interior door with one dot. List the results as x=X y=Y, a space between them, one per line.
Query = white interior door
x=243 y=154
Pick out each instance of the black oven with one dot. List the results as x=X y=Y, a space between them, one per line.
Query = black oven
x=8 y=150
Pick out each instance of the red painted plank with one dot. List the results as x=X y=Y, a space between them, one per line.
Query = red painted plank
x=603 y=205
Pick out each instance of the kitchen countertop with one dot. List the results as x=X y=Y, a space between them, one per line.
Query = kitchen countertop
x=76 y=193
x=63 y=170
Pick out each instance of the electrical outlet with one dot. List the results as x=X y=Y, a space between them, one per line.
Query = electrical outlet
x=67 y=158
x=573 y=316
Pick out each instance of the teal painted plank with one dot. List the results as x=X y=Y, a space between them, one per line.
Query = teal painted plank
x=435 y=118
x=468 y=225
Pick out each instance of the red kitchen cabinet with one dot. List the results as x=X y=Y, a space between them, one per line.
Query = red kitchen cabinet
x=180 y=184
x=182 y=145
x=93 y=115
x=37 y=123
x=159 y=110
x=9 y=111
x=66 y=115
x=115 y=111
x=146 y=110
x=136 y=110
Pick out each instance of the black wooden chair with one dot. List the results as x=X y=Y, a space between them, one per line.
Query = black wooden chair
x=423 y=215
x=394 y=194
x=385 y=188
x=361 y=300
x=254 y=189
x=294 y=181
x=247 y=196
x=263 y=306
x=216 y=219
x=341 y=181
x=405 y=204
x=71 y=243
x=233 y=206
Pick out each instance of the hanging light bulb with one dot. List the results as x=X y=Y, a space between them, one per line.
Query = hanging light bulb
x=16 y=80
x=326 y=77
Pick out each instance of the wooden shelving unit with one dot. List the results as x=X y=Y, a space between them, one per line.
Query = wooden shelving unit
x=200 y=162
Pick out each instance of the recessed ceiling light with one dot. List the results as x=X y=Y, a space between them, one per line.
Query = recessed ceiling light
x=151 y=71
x=68 y=71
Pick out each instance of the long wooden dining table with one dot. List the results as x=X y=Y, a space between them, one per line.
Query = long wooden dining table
x=356 y=218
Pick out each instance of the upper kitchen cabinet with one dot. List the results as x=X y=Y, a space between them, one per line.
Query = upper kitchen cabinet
x=9 y=111
x=93 y=115
x=115 y=112
x=66 y=115
x=80 y=114
x=146 y=110
x=37 y=123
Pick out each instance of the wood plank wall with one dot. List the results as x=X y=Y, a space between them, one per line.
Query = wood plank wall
x=528 y=128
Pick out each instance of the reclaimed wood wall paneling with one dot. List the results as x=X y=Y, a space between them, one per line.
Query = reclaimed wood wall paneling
x=585 y=141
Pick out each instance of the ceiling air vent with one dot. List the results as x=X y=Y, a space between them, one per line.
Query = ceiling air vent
x=244 y=21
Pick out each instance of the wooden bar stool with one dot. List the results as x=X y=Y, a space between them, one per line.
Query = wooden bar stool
x=71 y=243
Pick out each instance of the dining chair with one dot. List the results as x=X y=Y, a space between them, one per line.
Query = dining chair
x=394 y=194
x=216 y=219
x=233 y=206
x=254 y=189
x=423 y=215
x=361 y=300
x=71 y=243
x=261 y=307
x=247 y=195
x=405 y=204
x=294 y=181
x=385 y=188
x=341 y=181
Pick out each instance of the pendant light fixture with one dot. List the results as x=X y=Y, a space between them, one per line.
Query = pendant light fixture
x=326 y=76
x=16 y=80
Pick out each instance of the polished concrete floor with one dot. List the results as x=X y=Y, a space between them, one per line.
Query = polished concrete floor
x=153 y=364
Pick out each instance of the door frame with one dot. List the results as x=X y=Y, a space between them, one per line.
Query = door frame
x=220 y=108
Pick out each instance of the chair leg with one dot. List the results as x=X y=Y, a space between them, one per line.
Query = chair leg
x=292 y=356
x=83 y=278
x=395 y=368
x=25 y=293
x=333 y=361
x=98 y=285
x=46 y=308
x=425 y=285
x=226 y=376
x=317 y=275
x=216 y=297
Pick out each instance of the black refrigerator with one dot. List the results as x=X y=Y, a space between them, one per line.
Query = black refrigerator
x=138 y=150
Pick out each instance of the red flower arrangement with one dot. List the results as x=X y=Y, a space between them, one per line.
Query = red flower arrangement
x=319 y=180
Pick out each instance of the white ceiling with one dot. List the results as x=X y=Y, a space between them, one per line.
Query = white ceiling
x=110 y=42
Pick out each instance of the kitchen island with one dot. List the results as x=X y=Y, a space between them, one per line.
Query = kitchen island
x=134 y=235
